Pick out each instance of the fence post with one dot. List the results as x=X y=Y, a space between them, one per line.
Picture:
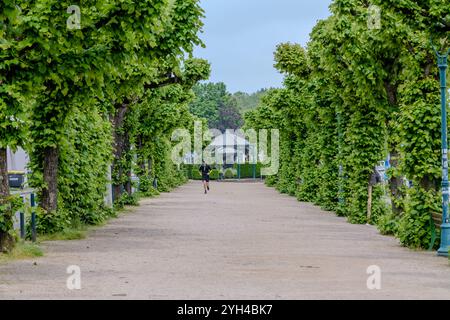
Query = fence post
x=22 y=225
x=33 y=218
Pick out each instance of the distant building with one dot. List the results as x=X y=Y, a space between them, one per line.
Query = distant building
x=17 y=161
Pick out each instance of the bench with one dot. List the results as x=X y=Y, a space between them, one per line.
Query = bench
x=435 y=224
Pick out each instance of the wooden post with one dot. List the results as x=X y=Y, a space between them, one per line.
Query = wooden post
x=369 y=203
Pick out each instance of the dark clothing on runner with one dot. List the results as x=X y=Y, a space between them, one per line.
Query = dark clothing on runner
x=205 y=170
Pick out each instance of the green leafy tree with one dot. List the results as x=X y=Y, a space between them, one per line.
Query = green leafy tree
x=353 y=96
x=214 y=103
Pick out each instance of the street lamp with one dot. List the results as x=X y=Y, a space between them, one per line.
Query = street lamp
x=445 y=228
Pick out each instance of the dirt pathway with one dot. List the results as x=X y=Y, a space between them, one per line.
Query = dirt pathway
x=241 y=241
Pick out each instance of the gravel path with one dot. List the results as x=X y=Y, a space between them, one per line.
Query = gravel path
x=241 y=241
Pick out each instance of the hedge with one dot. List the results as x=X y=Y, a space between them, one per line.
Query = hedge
x=246 y=172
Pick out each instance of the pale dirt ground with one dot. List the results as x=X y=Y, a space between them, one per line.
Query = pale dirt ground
x=241 y=241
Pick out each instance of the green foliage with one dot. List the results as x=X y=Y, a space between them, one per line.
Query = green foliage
x=60 y=89
x=196 y=175
x=380 y=206
x=127 y=200
x=169 y=175
x=271 y=181
x=292 y=59
x=192 y=172
x=246 y=102
x=229 y=115
x=353 y=96
x=22 y=251
x=195 y=70
x=146 y=188
x=415 y=224
x=11 y=205
x=83 y=168
x=207 y=101
x=115 y=90
x=229 y=174
x=27 y=250
x=156 y=118
x=65 y=235
x=50 y=222
x=214 y=175
x=246 y=170
x=84 y=159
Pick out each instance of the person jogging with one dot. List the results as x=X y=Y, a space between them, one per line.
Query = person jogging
x=205 y=170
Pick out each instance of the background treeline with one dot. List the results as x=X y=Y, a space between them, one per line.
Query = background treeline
x=241 y=171
x=354 y=95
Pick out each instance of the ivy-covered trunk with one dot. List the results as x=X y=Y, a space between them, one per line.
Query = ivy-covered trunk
x=120 y=147
x=150 y=167
x=49 y=196
x=6 y=241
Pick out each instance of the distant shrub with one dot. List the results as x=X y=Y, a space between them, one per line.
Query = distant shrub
x=214 y=174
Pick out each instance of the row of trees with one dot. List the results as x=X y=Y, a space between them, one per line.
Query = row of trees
x=246 y=102
x=358 y=92
x=86 y=87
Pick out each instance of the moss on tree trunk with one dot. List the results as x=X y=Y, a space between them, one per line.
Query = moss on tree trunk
x=6 y=240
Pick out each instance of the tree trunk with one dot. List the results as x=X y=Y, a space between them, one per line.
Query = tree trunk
x=369 y=203
x=49 y=201
x=141 y=157
x=117 y=191
x=395 y=183
x=119 y=148
x=128 y=185
x=149 y=168
x=128 y=163
x=429 y=183
x=6 y=241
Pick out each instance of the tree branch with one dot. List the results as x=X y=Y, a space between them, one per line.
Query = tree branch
x=171 y=79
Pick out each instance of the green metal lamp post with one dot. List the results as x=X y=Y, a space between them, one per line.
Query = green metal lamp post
x=445 y=228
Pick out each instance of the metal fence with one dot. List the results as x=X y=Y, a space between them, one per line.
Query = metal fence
x=29 y=207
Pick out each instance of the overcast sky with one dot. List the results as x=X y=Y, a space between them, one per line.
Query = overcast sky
x=241 y=36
